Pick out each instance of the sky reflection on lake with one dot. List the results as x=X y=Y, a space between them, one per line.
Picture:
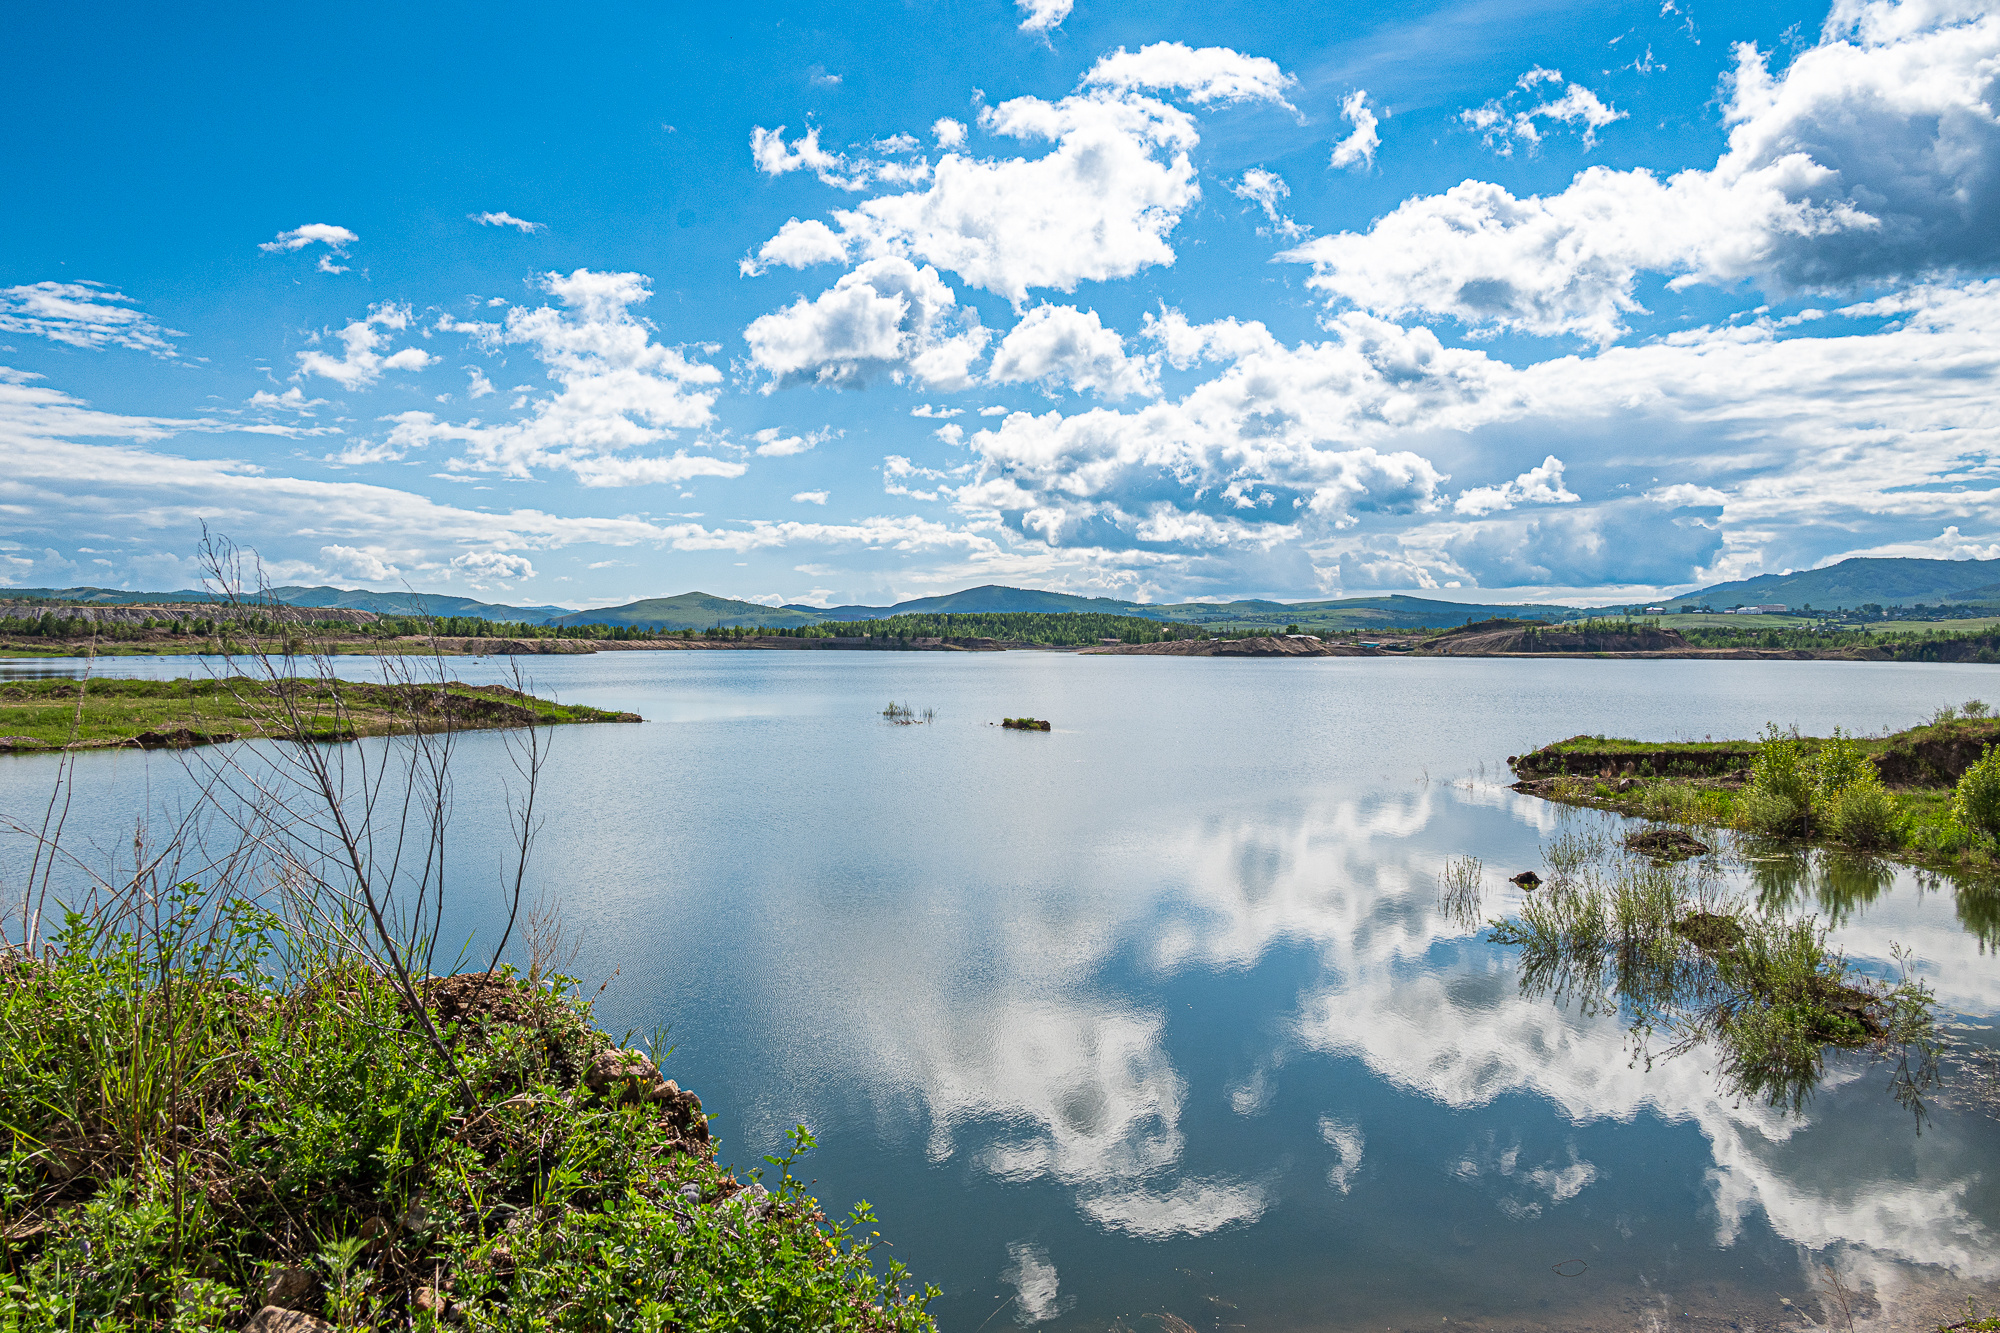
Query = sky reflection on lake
x=1163 y=1011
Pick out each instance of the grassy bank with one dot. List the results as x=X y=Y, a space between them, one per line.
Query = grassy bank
x=207 y=1111
x=1929 y=795
x=42 y=714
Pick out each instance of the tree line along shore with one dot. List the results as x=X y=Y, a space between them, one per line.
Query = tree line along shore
x=210 y=629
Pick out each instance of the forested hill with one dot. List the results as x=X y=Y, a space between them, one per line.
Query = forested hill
x=1851 y=583
x=702 y=611
x=1858 y=582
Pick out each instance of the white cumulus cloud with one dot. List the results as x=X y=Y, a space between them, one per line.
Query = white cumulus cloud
x=481 y=567
x=1042 y=15
x=362 y=359
x=335 y=239
x=797 y=245
x=1875 y=156
x=886 y=318
x=1502 y=122
x=1204 y=75
x=1268 y=191
x=1358 y=148
x=1098 y=205
x=774 y=443
x=1542 y=484
x=508 y=220
x=618 y=391
x=774 y=157
x=1061 y=347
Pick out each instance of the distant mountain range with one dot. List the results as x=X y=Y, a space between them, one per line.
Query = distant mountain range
x=697 y=610
x=382 y=603
x=1851 y=583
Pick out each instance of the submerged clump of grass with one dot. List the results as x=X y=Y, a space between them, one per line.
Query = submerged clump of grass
x=905 y=716
x=1462 y=885
x=1686 y=964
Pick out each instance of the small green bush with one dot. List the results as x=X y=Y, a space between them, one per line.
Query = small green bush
x=1839 y=764
x=1976 y=803
x=1779 y=797
x=1863 y=813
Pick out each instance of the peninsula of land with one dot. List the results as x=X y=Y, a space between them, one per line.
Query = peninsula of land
x=101 y=714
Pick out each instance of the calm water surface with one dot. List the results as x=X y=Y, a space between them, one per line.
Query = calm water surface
x=1161 y=1012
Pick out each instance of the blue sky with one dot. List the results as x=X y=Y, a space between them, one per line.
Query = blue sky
x=1504 y=300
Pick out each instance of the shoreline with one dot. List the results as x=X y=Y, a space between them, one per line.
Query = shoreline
x=63 y=715
x=1908 y=780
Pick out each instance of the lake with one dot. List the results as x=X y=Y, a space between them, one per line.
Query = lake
x=1161 y=1013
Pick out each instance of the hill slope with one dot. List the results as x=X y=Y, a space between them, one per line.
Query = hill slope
x=700 y=610
x=694 y=610
x=1856 y=582
x=382 y=603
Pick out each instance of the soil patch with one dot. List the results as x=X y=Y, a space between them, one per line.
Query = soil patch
x=1938 y=755
x=1484 y=638
x=1666 y=844
x=1711 y=932
x=1269 y=645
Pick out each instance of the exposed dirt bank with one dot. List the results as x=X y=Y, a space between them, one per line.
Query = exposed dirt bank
x=1267 y=646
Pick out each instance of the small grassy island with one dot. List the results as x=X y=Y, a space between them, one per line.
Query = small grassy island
x=1024 y=724
x=1929 y=795
x=105 y=713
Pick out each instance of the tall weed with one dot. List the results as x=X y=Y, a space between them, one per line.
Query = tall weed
x=1976 y=802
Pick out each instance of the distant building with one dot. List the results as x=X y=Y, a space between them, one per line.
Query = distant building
x=1778 y=610
x=1656 y=610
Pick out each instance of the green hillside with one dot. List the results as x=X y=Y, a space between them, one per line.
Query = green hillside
x=991 y=599
x=1349 y=613
x=415 y=603
x=694 y=610
x=700 y=610
x=1858 y=582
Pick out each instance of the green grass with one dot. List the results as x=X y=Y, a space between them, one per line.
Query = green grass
x=1699 y=620
x=196 y=1105
x=116 y=712
x=1621 y=745
x=1979 y=625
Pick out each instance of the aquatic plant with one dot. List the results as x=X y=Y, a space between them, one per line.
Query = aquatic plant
x=1461 y=883
x=1572 y=849
x=1686 y=965
x=905 y=716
